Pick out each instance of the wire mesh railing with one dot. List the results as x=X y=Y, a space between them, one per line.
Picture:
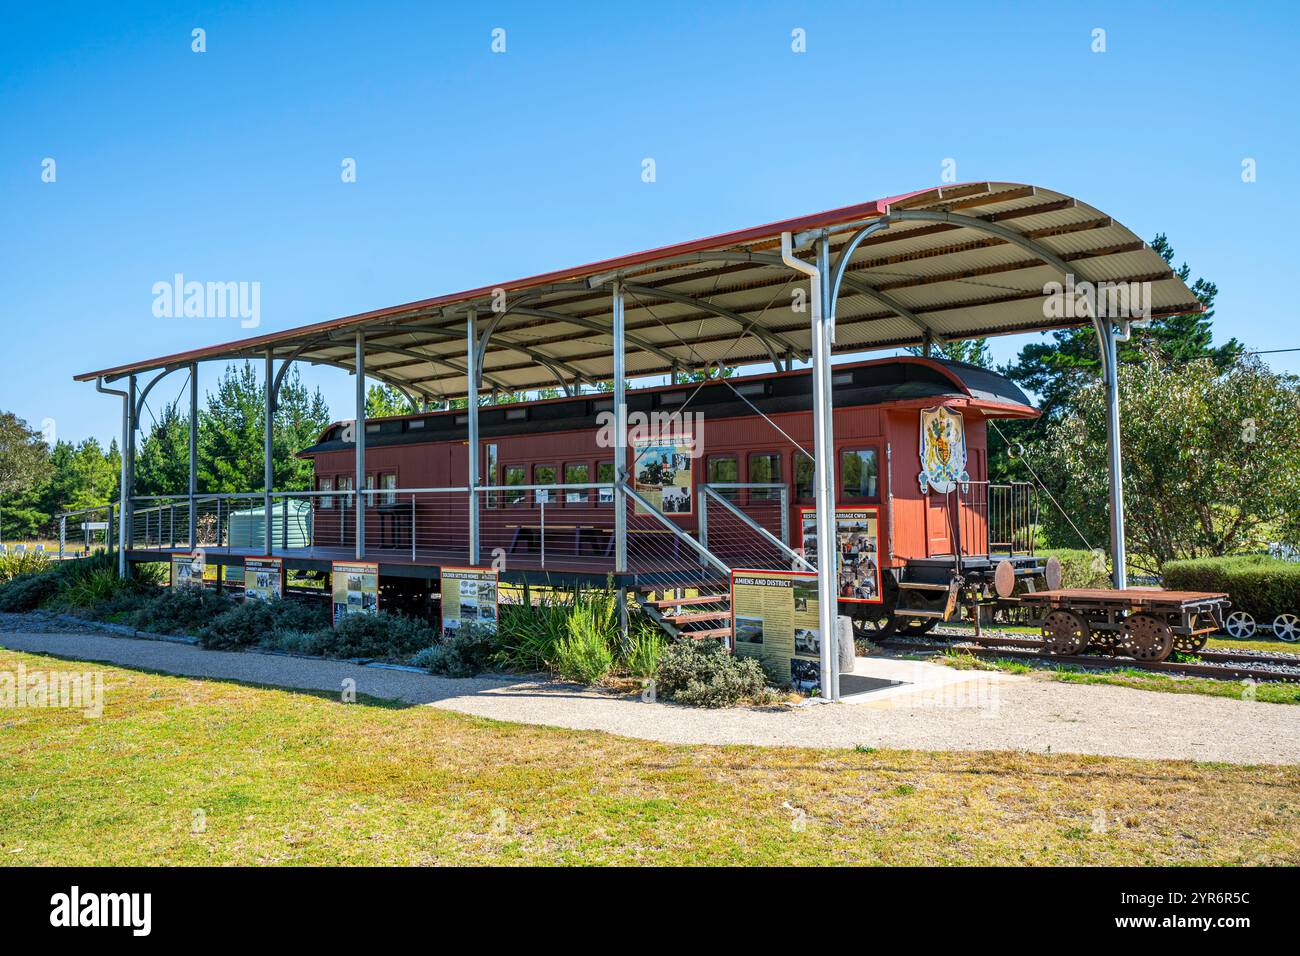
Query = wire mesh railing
x=561 y=527
x=747 y=524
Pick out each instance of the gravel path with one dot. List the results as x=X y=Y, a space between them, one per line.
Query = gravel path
x=989 y=712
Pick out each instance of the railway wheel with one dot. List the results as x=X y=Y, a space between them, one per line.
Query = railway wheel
x=874 y=625
x=1064 y=633
x=1286 y=627
x=1240 y=624
x=1189 y=643
x=1146 y=638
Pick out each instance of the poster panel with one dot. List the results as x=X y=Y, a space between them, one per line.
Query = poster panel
x=263 y=579
x=469 y=597
x=662 y=473
x=857 y=534
x=355 y=588
x=188 y=570
x=774 y=618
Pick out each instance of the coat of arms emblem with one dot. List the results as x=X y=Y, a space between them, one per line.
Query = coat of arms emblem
x=943 y=450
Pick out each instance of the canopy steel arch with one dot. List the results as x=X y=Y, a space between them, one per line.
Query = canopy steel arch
x=1103 y=327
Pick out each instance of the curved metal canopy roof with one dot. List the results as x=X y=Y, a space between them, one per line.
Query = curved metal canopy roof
x=954 y=262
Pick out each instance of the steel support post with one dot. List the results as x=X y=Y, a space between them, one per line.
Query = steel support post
x=471 y=410
x=359 y=433
x=194 y=454
x=620 y=450
x=1114 y=453
x=268 y=424
x=127 y=517
x=824 y=476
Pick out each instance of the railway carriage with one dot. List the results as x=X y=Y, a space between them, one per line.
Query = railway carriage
x=939 y=544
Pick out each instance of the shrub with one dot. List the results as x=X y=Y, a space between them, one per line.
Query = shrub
x=17 y=565
x=241 y=625
x=469 y=651
x=185 y=610
x=1262 y=586
x=528 y=634
x=248 y=623
x=292 y=641
x=644 y=650
x=531 y=635
x=1080 y=568
x=584 y=656
x=703 y=673
x=91 y=583
x=382 y=635
x=28 y=592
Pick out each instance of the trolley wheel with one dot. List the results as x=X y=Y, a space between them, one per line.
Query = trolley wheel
x=1064 y=633
x=1286 y=627
x=1240 y=624
x=1189 y=643
x=1146 y=638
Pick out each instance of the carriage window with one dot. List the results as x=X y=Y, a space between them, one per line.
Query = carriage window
x=515 y=476
x=764 y=467
x=803 y=476
x=858 y=473
x=577 y=473
x=489 y=476
x=345 y=483
x=326 y=484
x=389 y=483
x=605 y=475
x=370 y=486
x=544 y=475
x=724 y=468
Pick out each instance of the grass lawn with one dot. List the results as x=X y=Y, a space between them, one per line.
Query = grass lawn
x=184 y=771
x=1267 y=693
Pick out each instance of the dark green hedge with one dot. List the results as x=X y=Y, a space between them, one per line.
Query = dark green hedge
x=1261 y=586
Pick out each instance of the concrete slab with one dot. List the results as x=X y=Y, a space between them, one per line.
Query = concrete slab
x=906 y=683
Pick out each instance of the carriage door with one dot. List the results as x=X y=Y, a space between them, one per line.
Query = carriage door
x=938 y=523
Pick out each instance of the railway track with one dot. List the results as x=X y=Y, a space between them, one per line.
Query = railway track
x=1221 y=665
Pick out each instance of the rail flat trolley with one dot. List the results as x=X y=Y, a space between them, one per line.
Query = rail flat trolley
x=1147 y=624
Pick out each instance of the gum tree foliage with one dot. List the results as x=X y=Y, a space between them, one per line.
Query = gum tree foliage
x=1211 y=464
x=1056 y=370
x=24 y=456
x=1059 y=368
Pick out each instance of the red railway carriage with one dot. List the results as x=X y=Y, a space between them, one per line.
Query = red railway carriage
x=750 y=430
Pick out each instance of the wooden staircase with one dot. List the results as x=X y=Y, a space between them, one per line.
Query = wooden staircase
x=707 y=614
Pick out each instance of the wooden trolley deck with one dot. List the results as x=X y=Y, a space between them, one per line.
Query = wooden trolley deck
x=1135 y=598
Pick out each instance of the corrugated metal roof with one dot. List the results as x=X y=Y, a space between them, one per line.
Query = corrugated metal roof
x=729 y=298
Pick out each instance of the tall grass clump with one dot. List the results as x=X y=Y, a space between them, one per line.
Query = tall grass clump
x=14 y=565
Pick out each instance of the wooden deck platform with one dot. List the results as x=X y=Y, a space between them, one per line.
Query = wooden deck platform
x=1126 y=597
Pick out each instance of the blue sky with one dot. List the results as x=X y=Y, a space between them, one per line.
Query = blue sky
x=474 y=167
